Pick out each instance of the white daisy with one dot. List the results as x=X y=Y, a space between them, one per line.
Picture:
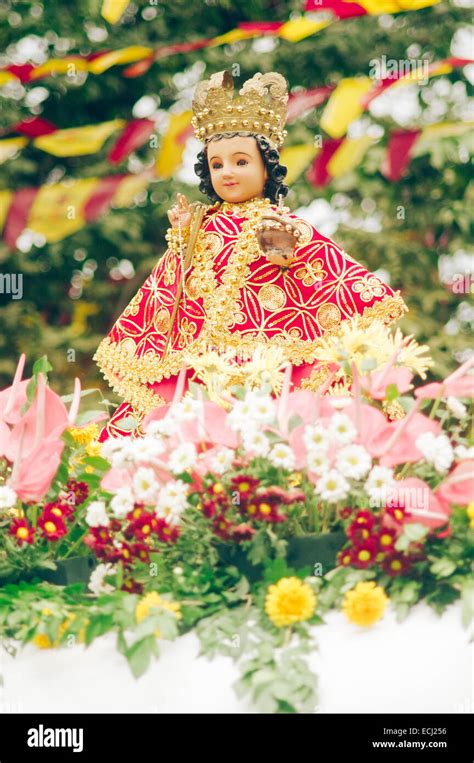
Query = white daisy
x=332 y=487
x=264 y=408
x=379 y=485
x=281 y=455
x=462 y=452
x=342 y=429
x=7 y=497
x=436 y=450
x=187 y=409
x=145 y=486
x=166 y=426
x=96 y=581
x=317 y=462
x=255 y=442
x=222 y=460
x=172 y=501
x=146 y=449
x=122 y=502
x=96 y=514
x=316 y=438
x=457 y=408
x=241 y=414
x=353 y=461
x=183 y=457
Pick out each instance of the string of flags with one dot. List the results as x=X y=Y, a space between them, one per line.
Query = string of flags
x=141 y=57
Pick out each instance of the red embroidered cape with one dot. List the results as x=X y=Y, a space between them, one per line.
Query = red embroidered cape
x=236 y=299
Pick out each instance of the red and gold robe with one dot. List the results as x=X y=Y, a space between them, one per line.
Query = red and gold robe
x=236 y=299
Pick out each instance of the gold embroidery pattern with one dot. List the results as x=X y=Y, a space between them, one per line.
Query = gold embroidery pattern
x=369 y=287
x=224 y=288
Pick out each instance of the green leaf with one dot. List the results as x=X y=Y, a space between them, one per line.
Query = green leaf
x=139 y=655
x=443 y=568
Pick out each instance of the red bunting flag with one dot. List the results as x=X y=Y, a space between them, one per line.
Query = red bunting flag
x=342 y=9
x=398 y=153
x=305 y=100
x=18 y=214
x=318 y=174
x=133 y=135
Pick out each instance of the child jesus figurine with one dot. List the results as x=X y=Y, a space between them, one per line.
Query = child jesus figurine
x=239 y=273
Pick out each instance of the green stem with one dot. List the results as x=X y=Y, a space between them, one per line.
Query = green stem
x=75 y=545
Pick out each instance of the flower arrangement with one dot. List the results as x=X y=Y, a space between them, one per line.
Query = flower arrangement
x=229 y=474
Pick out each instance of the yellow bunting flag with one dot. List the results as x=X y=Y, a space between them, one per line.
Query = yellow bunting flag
x=77 y=141
x=394 y=6
x=349 y=154
x=297 y=158
x=113 y=10
x=441 y=130
x=58 y=210
x=68 y=65
x=171 y=150
x=235 y=35
x=10 y=146
x=129 y=189
x=122 y=56
x=345 y=105
x=5 y=201
x=301 y=27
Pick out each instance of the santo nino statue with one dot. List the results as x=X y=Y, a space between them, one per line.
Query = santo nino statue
x=240 y=272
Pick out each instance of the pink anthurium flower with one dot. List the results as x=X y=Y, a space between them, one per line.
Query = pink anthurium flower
x=458 y=487
x=376 y=383
x=116 y=478
x=457 y=384
x=13 y=398
x=421 y=503
x=34 y=471
x=46 y=417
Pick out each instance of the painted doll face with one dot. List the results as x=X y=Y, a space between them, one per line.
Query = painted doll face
x=238 y=172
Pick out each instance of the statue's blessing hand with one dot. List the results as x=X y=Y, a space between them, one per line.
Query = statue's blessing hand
x=182 y=212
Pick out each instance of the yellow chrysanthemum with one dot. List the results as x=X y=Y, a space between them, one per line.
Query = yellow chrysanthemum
x=151 y=600
x=289 y=601
x=353 y=343
x=410 y=355
x=266 y=366
x=85 y=435
x=42 y=641
x=365 y=604
x=470 y=514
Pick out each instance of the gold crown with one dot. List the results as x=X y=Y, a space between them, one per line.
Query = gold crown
x=260 y=108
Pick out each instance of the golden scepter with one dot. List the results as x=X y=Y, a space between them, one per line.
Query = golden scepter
x=198 y=214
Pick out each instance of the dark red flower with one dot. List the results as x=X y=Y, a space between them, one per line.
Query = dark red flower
x=395 y=564
x=346 y=512
x=396 y=511
x=222 y=527
x=79 y=489
x=344 y=557
x=59 y=509
x=245 y=485
x=98 y=539
x=52 y=527
x=264 y=509
x=21 y=531
x=357 y=533
x=386 y=538
x=132 y=586
x=365 y=554
x=166 y=532
x=210 y=508
x=142 y=527
x=140 y=551
x=364 y=518
x=243 y=532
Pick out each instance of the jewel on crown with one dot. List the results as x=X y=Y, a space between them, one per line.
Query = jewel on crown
x=259 y=108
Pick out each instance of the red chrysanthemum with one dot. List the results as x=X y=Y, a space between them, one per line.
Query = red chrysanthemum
x=346 y=512
x=79 y=489
x=243 y=532
x=166 y=532
x=140 y=551
x=364 y=518
x=395 y=564
x=386 y=538
x=264 y=509
x=22 y=531
x=245 y=485
x=222 y=527
x=344 y=557
x=52 y=527
x=357 y=533
x=132 y=586
x=365 y=554
x=58 y=509
x=143 y=527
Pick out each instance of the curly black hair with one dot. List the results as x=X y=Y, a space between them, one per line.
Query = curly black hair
x=274 y=186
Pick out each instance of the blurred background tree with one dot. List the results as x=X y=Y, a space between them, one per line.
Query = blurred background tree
x=412 y=232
